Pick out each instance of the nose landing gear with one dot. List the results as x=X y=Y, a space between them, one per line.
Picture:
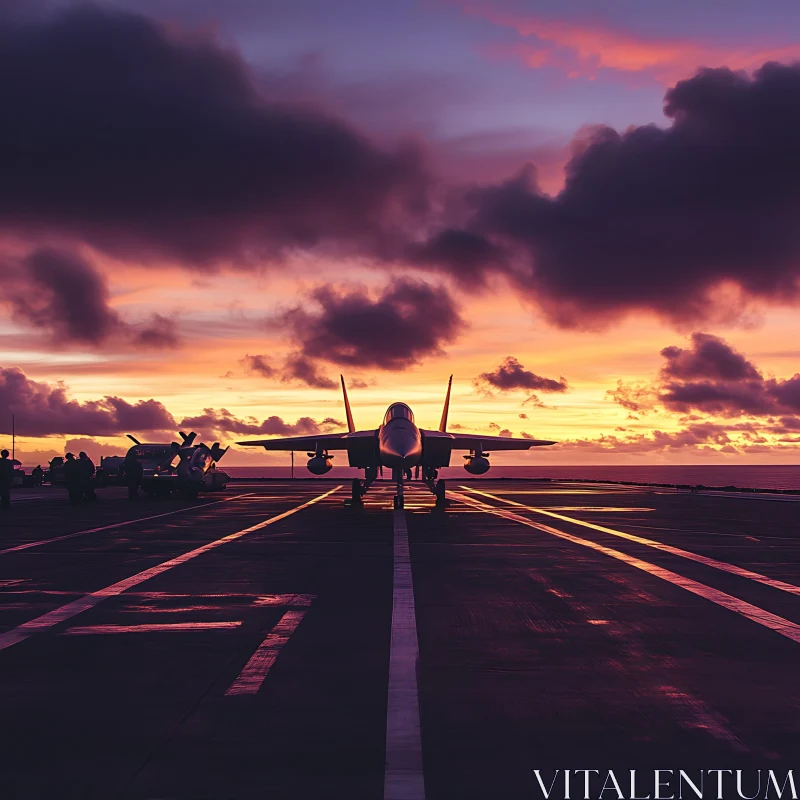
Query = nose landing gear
x=399 y=499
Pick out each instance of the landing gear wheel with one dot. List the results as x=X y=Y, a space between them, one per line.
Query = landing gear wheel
x=398 y=502
x=439 y=492
x=356 y=492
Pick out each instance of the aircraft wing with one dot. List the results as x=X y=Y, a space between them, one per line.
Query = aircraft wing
x=472 y=441
x=328 y=441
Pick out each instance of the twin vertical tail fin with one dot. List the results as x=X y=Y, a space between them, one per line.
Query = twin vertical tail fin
x=443 y=423
x=350 y=426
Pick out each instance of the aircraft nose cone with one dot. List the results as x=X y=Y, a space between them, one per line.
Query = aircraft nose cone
x=401 y=449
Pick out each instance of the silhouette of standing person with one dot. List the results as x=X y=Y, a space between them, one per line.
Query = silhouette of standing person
x=87 y=471
x=133 y=475
x=72 y=478
x=6 y=479
x=38 y=475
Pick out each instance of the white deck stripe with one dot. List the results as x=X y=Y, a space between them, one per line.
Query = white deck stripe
x=772 y=621
x=403 y=778
x=677 y=551
x=58 y=615
x=118 y=525
x=155 y=627
x=261 y=662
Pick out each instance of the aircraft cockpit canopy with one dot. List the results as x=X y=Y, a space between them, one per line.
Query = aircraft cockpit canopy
x=398 y=411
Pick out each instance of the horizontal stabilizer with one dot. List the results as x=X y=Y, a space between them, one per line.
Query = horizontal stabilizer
x=217 y=452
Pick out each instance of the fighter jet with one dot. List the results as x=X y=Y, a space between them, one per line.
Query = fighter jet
x=398 y=444
x=187 y=468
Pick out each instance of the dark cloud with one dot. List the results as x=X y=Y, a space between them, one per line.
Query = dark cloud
x=300 y=368
x=223 y=422
x=160 y=333
x=61 y=293
x=44 y=410
x=707 y=435
x=708 y=357
x=295 y=368
x=260 y=365
x=712 y=377
x=405 y=322
x=466 y=255
x=64 y=295
x=687 y=221
x=512 y=375
x=786 y=425
x=725 y=399
x=142 y=140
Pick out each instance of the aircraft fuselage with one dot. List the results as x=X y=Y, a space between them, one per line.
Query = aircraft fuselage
x=400 y=444
x=399 y=439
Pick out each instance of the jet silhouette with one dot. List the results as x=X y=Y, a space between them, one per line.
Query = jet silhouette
x=398 y=444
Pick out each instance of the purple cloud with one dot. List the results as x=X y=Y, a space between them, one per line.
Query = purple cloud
x=406 y=321
x=656 y=219
x=58 y=292
x=712 y=377
x=169 y=147
x=222 y=421
x=512 y=375
x=708 y=357
x=44 y=410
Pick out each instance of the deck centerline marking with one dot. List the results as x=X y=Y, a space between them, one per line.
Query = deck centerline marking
x=58 y=615
x=261 y=662
x=403 y=776
x=29 y=545
x=752 y=612
x=667 y=548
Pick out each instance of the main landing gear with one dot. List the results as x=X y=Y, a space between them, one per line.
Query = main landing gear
x=436 y=487
x=359 y=488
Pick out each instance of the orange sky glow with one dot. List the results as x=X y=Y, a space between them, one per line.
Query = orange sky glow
x=556 y=208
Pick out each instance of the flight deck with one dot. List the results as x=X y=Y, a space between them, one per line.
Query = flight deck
x=270 y=641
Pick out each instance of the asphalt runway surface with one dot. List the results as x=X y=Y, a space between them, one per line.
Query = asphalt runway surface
x=270 y=642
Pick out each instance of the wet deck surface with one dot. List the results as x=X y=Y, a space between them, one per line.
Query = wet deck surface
x=127 y=664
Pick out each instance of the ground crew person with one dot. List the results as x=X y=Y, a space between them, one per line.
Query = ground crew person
x=133 y=475
x=6 y=479
x=72 y=478
x=87 y=471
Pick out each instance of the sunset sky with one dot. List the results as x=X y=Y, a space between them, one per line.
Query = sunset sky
x=585 y=210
